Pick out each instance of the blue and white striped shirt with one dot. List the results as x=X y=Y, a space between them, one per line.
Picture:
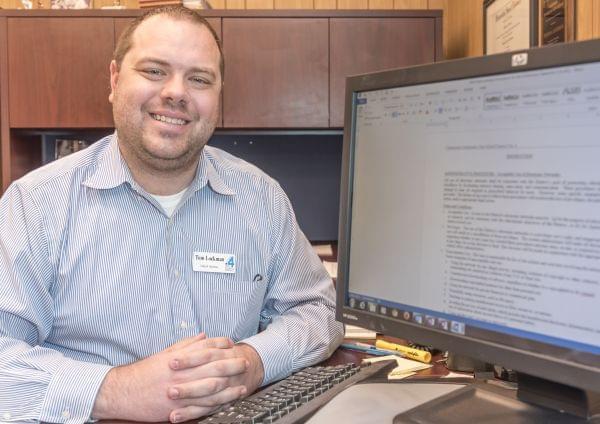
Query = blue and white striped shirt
x=94 y=274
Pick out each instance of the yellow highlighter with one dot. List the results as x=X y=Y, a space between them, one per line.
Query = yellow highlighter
x=409 y=352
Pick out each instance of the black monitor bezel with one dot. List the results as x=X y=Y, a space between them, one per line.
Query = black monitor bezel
x=541 y=365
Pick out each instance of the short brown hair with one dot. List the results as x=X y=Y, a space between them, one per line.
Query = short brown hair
x=175 y=12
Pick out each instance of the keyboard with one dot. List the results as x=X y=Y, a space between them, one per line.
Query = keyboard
x=296 y=398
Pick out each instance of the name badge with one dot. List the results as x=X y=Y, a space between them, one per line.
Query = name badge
x=213 y=262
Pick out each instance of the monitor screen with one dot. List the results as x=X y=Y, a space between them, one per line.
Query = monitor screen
x=470 y=205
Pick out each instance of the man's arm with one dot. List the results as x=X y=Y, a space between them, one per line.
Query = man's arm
x=41 y=384
x=36 y=383
x=298 y=318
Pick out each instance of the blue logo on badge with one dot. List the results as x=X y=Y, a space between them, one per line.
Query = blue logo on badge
x=230 y=263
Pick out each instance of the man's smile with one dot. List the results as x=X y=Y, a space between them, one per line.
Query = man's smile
x=169 y=120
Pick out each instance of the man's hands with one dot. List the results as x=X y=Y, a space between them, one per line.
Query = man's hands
x=249 y=379
x=188 y=380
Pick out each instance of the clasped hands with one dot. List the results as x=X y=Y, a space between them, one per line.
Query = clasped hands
x=190 y=379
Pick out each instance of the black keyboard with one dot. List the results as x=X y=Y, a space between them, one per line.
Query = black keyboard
x=296 y=398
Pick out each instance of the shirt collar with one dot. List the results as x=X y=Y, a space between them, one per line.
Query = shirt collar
x=208 y=173
x=112 y=171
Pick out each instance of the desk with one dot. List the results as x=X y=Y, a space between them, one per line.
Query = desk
x=343 y=356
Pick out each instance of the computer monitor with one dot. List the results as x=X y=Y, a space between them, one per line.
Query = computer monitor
x=470 y=213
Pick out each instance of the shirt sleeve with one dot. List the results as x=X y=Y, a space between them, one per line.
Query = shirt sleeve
x=298 y=317
x=36 y=383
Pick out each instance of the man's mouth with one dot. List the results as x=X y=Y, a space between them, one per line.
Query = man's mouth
x=174 y=121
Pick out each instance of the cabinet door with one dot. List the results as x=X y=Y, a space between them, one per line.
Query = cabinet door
x=276 y=72
x=360 y=45
x=58 y=70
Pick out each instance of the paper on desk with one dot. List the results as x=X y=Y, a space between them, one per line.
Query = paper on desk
x=354 y=332
x=323 y=249
x=331 y=268
x=405 y=367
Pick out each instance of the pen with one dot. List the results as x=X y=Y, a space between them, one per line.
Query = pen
x=409 y=352
x=371 y=350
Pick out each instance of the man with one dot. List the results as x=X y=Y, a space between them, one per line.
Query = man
x=149 y=277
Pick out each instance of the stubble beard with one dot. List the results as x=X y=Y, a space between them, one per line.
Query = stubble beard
x=133 y=139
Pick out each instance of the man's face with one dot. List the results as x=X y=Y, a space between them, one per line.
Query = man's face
x=166 y=94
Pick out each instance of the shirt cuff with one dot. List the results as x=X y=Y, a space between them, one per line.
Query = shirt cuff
x=72 y=392
x=275 y=352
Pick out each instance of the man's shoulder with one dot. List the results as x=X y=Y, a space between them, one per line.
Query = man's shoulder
x=237 y=172
x=64 y=171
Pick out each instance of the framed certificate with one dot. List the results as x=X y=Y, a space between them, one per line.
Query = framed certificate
x=519 y=24
x=509 y=25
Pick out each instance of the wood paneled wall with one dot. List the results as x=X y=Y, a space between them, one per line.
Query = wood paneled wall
x=588 y=19
x=463 y=25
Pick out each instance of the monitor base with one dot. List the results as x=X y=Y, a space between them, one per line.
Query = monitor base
x=485 y=402
x=558 y=396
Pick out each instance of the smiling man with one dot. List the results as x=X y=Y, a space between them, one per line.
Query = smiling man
x=151 y=277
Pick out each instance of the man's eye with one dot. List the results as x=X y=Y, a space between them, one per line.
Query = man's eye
x=152 y=72
x=200 y=81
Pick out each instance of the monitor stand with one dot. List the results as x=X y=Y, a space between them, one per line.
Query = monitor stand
x=436 y=401
x=490 y=402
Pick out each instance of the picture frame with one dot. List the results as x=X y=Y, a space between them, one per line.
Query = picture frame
x=510 y=25
x=557 y=21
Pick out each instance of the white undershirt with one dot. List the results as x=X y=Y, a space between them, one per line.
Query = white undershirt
x=170 y=202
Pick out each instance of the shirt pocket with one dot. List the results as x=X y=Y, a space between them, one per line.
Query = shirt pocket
x=233 y=309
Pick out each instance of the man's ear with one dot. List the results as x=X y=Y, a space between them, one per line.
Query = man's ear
x=114 y=77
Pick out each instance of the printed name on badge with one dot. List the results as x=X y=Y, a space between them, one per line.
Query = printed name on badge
x=213 y=262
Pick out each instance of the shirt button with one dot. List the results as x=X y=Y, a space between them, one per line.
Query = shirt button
x=176 y=273
x=66 y=414
x=183 y=324
x=6 y=416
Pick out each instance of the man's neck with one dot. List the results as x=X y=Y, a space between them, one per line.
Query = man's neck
x=158 y=181
x=163 y=183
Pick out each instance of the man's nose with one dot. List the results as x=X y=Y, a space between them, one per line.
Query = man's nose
x=175 y=91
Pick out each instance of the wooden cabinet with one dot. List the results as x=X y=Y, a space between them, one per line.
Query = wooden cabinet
x=58 y=72
x=277 y=73
x=120 y=25
x=362 y=45
x=283 y=69
x=4 y=128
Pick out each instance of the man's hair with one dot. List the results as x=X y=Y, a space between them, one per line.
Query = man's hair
x=175 y=12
